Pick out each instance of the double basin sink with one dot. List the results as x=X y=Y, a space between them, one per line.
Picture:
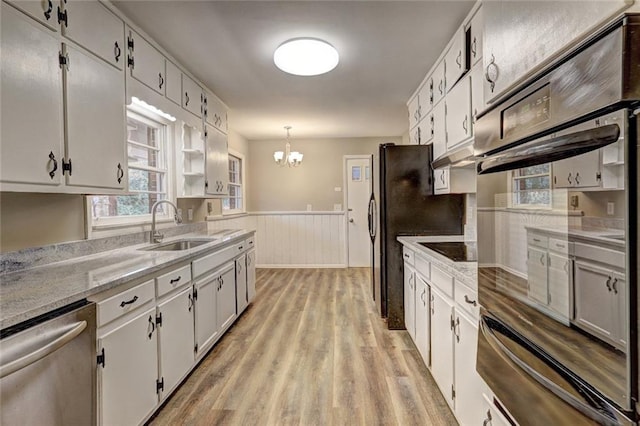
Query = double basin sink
x=188 y=243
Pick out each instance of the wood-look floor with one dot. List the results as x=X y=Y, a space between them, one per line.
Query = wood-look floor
x=310 y=350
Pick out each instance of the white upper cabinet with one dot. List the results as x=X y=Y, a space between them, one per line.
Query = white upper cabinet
x=31 y=85
x=145 y=62
x=414 y=104
x=582 y=171
x=477 y=98
x=522 y=36
x=439 y=130
x=439 y=83
x=97 y=29
x=45 y=11
x=215 y=112
x=458 y=118
x=192 y=96
x=173 y=83
x=456 y=59
x=216 y=162
x=95 y=115
x=475 y=42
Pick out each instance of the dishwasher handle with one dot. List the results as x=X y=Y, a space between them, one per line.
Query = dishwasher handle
x=64 y=336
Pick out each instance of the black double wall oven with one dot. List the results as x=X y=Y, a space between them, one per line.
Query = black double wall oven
x=558 y=237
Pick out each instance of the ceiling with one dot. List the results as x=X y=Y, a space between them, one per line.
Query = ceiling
x=386 y=48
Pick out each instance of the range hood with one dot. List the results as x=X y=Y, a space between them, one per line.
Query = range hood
x=460 y=157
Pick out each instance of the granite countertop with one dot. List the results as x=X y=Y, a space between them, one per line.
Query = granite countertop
x=465 y=271
x=29 y=292
x=588 y=234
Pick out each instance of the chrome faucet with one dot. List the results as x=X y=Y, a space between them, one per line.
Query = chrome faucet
x=156 y=236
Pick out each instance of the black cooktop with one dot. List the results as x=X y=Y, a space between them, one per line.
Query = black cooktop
x=456 y=251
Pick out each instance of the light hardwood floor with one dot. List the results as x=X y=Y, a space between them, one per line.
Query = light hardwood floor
x=310 y=350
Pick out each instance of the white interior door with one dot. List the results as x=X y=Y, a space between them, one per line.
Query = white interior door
x=358 y=174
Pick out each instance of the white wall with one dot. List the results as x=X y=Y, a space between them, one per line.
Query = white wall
x=293 y=239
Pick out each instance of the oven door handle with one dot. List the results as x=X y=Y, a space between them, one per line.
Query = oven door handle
x=594 y=406
x=541 y=151
x=62 y=337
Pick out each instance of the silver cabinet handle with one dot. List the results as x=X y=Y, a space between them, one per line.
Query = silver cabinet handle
x=542 y=259
x=569 y=179
x=474 y=47
x=493 y=77
x=67 y=334
x=613 y=285
x=459 y=59
x=469 y=301
x=608 y=283
x=578 y=178
x=488 y=419
x=464 y=123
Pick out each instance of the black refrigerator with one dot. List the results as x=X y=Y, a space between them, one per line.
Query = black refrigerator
x=403 y=203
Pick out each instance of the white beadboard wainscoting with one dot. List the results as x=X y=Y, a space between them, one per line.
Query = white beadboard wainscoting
x=509 y=249
x=293 y=239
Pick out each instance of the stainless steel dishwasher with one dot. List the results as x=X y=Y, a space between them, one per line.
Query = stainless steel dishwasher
x=48 y=369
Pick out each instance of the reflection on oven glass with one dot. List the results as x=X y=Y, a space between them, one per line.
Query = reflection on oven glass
x=551 y=257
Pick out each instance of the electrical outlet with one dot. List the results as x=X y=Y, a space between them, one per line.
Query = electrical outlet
x=611 y=208
x=337 y=207
x=337 y=189
x=574 y=201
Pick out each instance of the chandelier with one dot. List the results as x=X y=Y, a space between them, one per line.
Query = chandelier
x=286 y=157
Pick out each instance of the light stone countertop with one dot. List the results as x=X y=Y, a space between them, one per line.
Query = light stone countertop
x=467 y=272
x=594 y=235
x=27 y=293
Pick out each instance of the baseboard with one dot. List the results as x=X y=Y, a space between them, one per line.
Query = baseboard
x=302 y=266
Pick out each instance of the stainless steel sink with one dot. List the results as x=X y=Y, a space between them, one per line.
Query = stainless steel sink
x=179 y=245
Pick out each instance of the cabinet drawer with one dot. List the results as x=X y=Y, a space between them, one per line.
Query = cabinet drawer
x=600 y=254
x=214 y=260
x=442 y=280
x=423 y=266
x=537 y=240
x=172 y=280
x=558 y=245
x=122 y=303
x=467 y=299
x=408 y=256
x=250 y=243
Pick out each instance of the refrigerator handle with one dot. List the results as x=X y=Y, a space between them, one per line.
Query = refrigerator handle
x=374 y=217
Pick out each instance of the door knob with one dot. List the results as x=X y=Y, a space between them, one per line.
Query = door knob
x=351 y=220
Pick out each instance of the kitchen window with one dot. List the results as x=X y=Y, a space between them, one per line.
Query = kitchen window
x=531 y=186
x=235 y=202
x=148 y=174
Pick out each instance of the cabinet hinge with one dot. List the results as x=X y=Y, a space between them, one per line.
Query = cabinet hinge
x=195 y=294
x=160 y=385
x=100 y=358
x=598 y=176
x=159 y=319
x=63 y=60
x=453 y=323
x=195 y=348
x=130 y=43
x=67 y=166
x=453 y=392
x=130 y=61
x=63 y=17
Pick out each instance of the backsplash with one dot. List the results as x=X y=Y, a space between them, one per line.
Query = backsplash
x=39 y=256
x=602 y=222
x=471 y=213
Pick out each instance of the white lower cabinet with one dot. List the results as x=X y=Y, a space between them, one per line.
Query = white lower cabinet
x=206 y=327
x=127 y=379
x=442 y=344
x=409 y=300
x=423 y=319
x=176 y=339
x=226 y=297
x=241 y=284
x=469 y=405
x=251 y=275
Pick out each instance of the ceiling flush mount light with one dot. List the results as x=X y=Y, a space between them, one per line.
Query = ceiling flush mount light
x=306 y=57
x=286 y=157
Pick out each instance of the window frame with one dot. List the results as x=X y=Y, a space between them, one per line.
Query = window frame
x=514 y=177
x=138 y=222
x=242 y=185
